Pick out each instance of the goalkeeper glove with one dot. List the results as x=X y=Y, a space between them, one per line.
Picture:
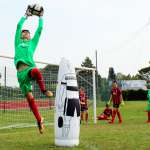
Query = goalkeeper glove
x=122 y=103
x=28 y=11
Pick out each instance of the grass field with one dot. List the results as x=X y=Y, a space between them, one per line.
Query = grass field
x=133 y=134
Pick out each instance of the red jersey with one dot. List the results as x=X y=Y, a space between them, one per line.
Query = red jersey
x=108 y=112
x=83 y=99
x=116 y=95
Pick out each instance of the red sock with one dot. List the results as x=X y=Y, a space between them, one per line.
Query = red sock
x=34 y=108
x=149 y=115
x=119 y=116
x=36 y=75
x=114 y=115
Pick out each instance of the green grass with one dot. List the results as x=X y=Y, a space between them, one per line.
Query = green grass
x=133 y=134
x=12 y=117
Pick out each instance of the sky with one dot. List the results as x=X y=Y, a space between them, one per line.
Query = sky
x=118 y=29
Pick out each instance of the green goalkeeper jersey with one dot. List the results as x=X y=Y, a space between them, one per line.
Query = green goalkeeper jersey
x=24 y=49
x=148 y=104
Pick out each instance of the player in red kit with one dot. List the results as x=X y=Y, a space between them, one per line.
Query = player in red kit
x=116 y=98
x=83 y=104
x=107 y=113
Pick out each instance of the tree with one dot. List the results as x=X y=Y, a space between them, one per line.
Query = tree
x=136 y=77
x=87 y=63
x=87 y=76
x=104 y=89
x=111 y=74
x=0 y=78
x=121 y=76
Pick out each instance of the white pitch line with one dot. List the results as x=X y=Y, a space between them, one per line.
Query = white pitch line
x=23 y=125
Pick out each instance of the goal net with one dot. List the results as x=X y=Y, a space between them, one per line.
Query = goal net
x=14 y=110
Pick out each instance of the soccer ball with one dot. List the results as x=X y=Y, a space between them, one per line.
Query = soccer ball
x=36 y=9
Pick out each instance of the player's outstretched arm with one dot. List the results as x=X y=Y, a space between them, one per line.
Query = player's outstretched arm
x=18 y=30
x=20 y=24
x=110 y=99
x=122 y=101
x=37 y=34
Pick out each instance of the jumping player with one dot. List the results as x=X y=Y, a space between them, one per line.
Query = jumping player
x=107 y=113
x=84 y=105
x=116 y=98
x=25 y=65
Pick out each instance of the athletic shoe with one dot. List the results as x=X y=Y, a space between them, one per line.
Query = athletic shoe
x=120 y=122
x=110 y=122
x=148 y=121
x=41 y=126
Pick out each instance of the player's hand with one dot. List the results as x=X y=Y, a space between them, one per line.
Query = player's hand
x=122 y=103
x=42 y=12
x=82 y=103
x=48 y=93
x=37 y=10
x=108 y=103
x=28 y=11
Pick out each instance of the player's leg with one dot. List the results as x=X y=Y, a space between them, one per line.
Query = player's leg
x=102 y=117
x=82 y=115
x=25 y=85
x=35 y=74
x=86 y=116
x=119 y=115
x=148 y=115
x=113 y=114
x=34 y=108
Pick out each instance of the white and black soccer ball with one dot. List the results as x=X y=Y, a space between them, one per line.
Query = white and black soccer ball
x=36 y=9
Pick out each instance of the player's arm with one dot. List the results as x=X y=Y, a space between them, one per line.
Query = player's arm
x=111 y=97
x=18 y=30
x=121 y=97
x=110 y=100
x=37 y=34
x=121 y=100
x=82 y=103
x=87 y=102
x=19 y=26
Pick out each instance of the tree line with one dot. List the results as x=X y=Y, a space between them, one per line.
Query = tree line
x=103 y=84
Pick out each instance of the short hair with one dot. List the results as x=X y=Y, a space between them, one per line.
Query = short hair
x=107 y=105
x=82 y=88
x=25 y=30
x=114 y=81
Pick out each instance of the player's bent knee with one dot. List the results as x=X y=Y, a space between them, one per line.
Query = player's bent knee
x=29 y=96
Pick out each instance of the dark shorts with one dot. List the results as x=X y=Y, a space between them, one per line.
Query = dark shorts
x=116 y=105
x=83 y=109
x=70 y=106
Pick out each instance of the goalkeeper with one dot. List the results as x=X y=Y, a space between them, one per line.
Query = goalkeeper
x=25 y=65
